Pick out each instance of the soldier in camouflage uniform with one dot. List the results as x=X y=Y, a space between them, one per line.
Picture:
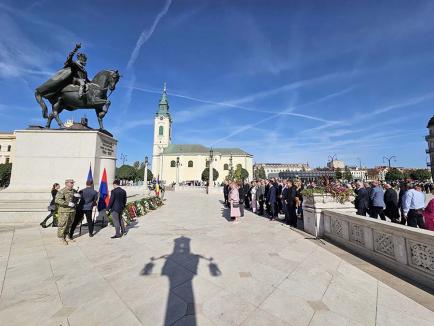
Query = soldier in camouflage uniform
x=66 y=209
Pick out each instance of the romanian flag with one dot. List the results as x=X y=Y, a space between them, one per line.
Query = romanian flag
x=104 y=197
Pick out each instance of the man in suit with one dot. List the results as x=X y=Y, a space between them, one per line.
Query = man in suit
x=267 y=197
x=272 y=200
x=289 y=201
x=89 y=197
x=362 y=199
x=226 y=192
x=391 y=203
x=118 y=201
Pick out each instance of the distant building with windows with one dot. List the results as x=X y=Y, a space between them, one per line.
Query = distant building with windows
x=7 y=144
x=273 y=169
x=174 y=163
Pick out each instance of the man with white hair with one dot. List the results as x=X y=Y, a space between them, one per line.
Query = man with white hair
x=391 y=202
x=377 y=201
x=362 y=199
x=413 y=206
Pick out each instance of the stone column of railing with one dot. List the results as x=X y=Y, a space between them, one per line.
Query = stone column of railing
x=314 y=205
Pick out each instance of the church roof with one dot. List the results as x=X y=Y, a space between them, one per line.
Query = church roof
x=200 y=149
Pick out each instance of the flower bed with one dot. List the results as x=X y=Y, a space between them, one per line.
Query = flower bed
x=138 y=208
x=340 y=193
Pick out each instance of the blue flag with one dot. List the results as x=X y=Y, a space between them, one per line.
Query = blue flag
x=89 y=174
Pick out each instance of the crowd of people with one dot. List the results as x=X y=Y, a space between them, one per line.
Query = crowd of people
x=72 y=206
x=401 y=202
x=267 y=197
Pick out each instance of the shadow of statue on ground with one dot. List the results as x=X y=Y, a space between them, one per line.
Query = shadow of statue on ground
x=181 y=255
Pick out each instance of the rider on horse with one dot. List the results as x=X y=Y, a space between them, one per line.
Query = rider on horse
x=73 y=72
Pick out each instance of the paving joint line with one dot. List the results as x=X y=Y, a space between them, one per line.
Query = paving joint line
x=7 y=263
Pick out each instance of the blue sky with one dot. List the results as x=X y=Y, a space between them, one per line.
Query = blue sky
x=287 y=81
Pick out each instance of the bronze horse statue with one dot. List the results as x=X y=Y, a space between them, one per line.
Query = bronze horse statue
x=68 y=98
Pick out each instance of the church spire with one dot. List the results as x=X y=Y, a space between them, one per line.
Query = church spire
x=163 y=106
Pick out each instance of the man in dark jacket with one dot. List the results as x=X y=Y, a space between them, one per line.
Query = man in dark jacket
x=89 y=196
x=391 y=203
x=403 y=188
x=118 y=201
x=226 y=192
x=362 y=199
x=288 y=194
x=267 y=197
x=272 y=195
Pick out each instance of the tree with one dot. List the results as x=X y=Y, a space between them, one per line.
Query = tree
x=338 y=173
x=140 y=174
x=260 y=173
x=5 y=174
x=420 y=174
x=126 y=172
x=240 y=174
x=347 y=174
x=394 y=174
x=205 y=174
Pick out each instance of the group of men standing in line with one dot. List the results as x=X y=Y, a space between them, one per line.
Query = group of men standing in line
x=407 y=207
x=269 y=197
x=72 y=206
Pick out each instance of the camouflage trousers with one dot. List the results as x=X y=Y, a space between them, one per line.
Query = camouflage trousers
x=64 y=223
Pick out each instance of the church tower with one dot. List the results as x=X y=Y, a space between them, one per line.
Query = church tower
x=162 y=134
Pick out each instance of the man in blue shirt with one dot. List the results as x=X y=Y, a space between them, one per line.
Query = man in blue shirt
x=377 y=201
x=413 y=206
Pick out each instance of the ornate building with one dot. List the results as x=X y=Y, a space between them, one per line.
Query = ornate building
x=186 y=162
x=7 y=145
x=430 y=141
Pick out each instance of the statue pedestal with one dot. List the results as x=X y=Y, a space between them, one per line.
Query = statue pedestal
x=44 y=157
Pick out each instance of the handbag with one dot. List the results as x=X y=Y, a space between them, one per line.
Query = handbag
x=236 y=205
x=51 y=207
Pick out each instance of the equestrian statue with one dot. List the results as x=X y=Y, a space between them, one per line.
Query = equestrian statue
x=70 y=89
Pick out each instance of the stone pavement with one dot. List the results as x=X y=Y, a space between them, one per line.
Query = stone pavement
x=185 y=264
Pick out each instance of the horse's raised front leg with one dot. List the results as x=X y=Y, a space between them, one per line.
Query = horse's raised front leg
x=101 y=112
x=41 y=102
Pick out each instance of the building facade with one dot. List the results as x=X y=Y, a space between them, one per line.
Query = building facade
x=273 y=169
x=336 y=164
x=7 y=146
x=430 y=140
x=184 y=163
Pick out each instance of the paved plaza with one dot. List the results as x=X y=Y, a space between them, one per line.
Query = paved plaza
x=185 y=264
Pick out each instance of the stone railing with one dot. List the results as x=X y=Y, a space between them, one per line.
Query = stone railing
x=312 y=208
x=405 y=250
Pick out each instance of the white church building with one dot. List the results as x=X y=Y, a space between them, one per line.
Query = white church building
x=174 y=163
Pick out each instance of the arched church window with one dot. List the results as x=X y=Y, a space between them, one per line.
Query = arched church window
x=172 y=164
x=190 y=164
x=226 y=167
x=9 y=148
x=161 y=131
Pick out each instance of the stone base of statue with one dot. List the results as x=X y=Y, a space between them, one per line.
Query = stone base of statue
x=44 y=157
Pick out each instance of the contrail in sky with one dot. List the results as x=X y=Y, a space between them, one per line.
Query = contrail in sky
x=146 y=34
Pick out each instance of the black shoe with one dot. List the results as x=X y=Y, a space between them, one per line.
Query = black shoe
x=115 y=237
x=91 y=235
x=42 y=224
x=124 y=233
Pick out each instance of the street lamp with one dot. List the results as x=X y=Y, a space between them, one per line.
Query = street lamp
x=332 y=158
x=177 y=171
x=145 y=176
x=388 y=159
x=123 y=158
x=211 y=174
